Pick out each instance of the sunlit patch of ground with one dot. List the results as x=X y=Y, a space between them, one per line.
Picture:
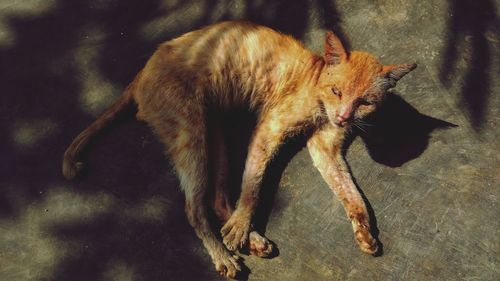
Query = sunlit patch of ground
x=28 y=133
x=30 y=250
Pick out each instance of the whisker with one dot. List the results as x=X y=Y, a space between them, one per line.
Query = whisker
x=364 y=123
x=359 y=127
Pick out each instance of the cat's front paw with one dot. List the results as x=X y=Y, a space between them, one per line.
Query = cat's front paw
x=365 y=240
x=235 y=232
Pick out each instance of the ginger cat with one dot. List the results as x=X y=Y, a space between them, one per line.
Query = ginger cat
x=292 y=91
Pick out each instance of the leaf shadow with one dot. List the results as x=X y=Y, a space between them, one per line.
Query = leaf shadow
x=467 y=39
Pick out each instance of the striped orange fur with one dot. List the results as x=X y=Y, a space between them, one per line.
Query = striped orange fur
x=292 y=91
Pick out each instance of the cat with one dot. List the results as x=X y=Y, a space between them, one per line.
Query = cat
x=291 y=90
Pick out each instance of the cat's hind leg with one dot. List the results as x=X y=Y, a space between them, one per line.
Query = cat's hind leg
x=184 y=136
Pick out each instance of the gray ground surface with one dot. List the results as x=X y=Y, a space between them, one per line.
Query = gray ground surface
x=434 y=189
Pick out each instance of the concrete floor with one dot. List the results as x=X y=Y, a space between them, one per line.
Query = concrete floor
x=433 y=187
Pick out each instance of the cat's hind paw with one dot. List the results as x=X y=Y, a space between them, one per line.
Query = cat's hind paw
x=227 y=264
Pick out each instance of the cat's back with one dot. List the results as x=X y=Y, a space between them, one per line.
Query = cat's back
x=224 y=40
x=235 y=61
x=227 y=46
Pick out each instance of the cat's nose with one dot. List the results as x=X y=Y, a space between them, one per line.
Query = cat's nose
x=340 y=121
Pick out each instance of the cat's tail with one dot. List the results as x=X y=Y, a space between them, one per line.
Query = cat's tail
x=71 y=167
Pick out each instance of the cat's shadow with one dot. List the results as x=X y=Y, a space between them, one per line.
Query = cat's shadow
x=397 y=133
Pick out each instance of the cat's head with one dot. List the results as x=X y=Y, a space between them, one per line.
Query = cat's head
x=352 y=85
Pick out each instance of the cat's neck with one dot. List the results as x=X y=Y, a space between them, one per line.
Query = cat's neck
x=297 y=96
x=295 y=76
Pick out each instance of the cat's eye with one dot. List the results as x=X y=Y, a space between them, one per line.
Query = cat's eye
x=364 y=102
x=336 y=92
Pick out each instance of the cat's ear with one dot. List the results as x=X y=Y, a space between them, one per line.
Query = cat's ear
x=394 y=72
x=335 y=52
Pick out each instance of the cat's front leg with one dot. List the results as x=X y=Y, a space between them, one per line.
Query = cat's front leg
x=258 y=244
x=267 y=138
x=325 y=149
